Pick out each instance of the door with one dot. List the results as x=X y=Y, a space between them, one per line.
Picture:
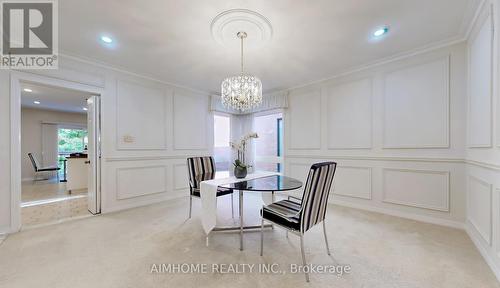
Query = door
x=94 y=154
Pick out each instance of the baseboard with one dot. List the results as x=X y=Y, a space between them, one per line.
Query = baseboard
x=483 y=250
x=406 y=215
x=167 y=197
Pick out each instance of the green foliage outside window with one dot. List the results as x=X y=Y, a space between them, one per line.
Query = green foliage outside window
x=72 y=140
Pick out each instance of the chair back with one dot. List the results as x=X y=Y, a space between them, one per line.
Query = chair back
x=200 y=169
x=34 y=161
x=316 y=191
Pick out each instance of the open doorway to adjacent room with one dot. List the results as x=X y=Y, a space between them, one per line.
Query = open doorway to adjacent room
x=59 y=153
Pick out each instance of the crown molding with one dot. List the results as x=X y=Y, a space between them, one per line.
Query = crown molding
x=115 y=68
x=475 y=15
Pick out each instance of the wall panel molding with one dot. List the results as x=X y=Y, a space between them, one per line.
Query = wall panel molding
x=441 y=203
x=190 y=121
x=356 y=188
x=132 y=99
x=479 y=211
x=305 y=124
x=380 y=158
x=350 y=116
x=147 y=158
x=480 y=98
x=132 y=182
x=180 y=176
x=408 y=93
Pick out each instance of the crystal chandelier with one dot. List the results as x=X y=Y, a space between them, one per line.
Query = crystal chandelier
x=244 y=91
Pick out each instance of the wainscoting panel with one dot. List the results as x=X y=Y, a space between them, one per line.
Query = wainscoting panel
x=299 y=171
x=479 y=210
x=305 y=119
x=190 y=121
x=141 y=117
x=480 y=96
x=416 y=106
x=417 y=188
x=354 y=182
x=180 y=177
x=350 y=115
x=140 y=181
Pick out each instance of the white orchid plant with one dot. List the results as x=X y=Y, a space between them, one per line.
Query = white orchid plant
x=241 y=147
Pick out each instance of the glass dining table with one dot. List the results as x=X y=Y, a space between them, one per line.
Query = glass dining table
x=267 y=184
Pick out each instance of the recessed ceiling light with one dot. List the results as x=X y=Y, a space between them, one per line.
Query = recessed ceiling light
x=36 y=102
x=381 y=31
x=27 y=90
x=85 y=109
x=106 y=39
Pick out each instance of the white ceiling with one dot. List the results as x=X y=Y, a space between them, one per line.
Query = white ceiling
x=171 y=40
x=53 y=98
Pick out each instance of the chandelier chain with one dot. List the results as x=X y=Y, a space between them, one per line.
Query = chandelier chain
x=242 y=92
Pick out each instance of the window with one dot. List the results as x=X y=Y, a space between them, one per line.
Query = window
x=269 y=145
x=72 y=140
x=222 y=136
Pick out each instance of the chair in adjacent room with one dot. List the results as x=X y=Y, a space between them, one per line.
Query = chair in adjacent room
x=202 y=169
x=299 y=215
x=38 y=169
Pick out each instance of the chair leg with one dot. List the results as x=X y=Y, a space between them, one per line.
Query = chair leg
x=232 y=206
x=262 y=237
x=190 y=204
x=326 y=239
x=303 y=256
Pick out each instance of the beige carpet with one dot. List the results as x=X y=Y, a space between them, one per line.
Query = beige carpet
x=118 y=250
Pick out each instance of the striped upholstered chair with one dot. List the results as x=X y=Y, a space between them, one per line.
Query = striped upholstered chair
x=300 y=215
x=201 y=169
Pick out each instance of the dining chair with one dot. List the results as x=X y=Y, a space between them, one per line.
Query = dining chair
x=38 y=169
x=202 y=169
x=301 y=214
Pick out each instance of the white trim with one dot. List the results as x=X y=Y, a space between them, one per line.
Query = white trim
x=446 y=208
x=123 y=70
x=118 y=145
x=370 y=169
x=380 y=158
x=401 y=56
x=489 y=239
x=206 y=146
x=329 y=145
x=150 y=158
x=15 y=132
x=421 y=218
x=488 y=14
x=471 y=24
x=117 y=183
x=481 y=164
x=482 y=250
x=174 y=180
x=316 y=92
x=447 y=60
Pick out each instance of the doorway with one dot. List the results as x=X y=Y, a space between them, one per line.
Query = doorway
x=56 y=162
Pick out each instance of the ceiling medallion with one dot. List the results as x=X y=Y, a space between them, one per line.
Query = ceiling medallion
x=229 y=23
x=241 y=92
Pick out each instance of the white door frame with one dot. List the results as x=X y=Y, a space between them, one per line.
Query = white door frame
x=15 y=131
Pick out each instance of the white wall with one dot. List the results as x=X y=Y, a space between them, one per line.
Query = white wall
x=31 y=133
x=148 y=130
x=483 y=136
x=396 y=131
